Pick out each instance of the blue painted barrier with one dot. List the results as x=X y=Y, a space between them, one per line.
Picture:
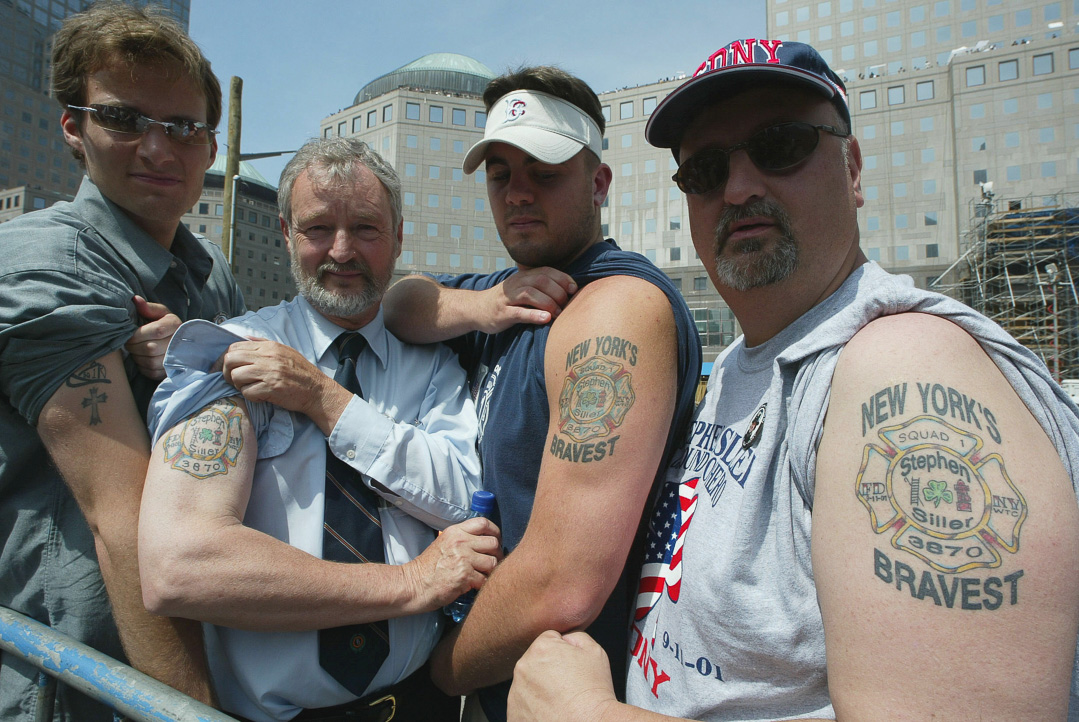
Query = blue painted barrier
x=131 y=693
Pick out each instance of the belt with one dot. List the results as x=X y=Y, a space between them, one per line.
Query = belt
x=374 y=708
x=413 y=699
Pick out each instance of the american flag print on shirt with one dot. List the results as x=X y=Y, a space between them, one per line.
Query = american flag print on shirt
x=662 y=569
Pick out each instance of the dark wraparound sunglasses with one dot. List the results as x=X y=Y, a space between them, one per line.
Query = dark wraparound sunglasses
x=775 y=148
x=125 y=120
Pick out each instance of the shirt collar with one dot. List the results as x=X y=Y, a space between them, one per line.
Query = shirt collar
x=324 y=332
x=143 y=254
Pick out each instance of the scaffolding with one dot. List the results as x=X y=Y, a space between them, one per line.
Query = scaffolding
x=1018 y=266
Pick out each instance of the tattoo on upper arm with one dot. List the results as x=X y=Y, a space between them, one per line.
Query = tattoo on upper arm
x=208 y=443
x=92 y=374
x=595 y=398
x=942 y=502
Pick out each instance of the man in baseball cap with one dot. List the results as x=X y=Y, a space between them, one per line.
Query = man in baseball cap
x=578 y=414
x=875 y=514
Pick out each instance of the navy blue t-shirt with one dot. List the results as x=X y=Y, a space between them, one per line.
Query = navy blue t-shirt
x=506 y=375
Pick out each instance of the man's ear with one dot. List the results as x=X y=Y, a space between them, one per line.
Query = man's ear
x=72 y=132
x=601 y=183
x=854 y=167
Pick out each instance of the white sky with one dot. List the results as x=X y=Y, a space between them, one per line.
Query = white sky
x=302 y=60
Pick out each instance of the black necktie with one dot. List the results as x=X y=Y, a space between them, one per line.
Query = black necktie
x=352 y=532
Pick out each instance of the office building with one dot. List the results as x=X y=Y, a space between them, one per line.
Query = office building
x=260 y=257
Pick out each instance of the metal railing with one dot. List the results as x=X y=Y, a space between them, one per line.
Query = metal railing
x=129 y=692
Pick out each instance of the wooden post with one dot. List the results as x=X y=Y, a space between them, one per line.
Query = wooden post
x=232 y=169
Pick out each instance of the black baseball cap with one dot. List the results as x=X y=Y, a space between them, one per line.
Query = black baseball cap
x=735 y=67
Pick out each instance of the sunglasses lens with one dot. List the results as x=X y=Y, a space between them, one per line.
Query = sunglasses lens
x=120 y=120
x=703 y=171
x=190 y=132
x=782 y=146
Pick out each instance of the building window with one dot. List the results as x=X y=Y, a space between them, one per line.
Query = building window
x=1008 y=69
x=900 y=190
x=387 y=113
x=342 y=129
x=1049 y=169
x=700 y=283
x=627 y=199
x=931 y=220
x=928 y=155
x=627 y=169
x=977 y=111
x=434 y=171
x=1043 y=64
x=901 y=221
x=627 y=140
x=481 y=119
x=435 y=115
x=455 y=231
x=606 y=113
x=477 y=233
x=675 y=223
x=932 y=250
x=648 y=105
x=625 y=110
x=649 y=225
x=975 y=76
x=1013 y=174
x=977 y=143
x=902 y=253
x=455 y=203
x=431 y=258
x=327 y=132
x=372 y=118
x=925 y=124
x=1046 y=135
x=867 y=99
x=898 y=127
x=870 y=193
x=479 y=205
x=917 y=39
x=411 y=141
x=899 y=158
x=929 y=187
x=357 y=124
x=432 y=200
x=410 y=170
x=924 y=90
x=432 y=230
x=627 y=229
x=458 y=116
x=981 y=176
x=1045 y=101
x=1011 y=140
x=1073 y=59
x=676 y=253
x=896 y=95
x=1011 y=106
x=409 y=198
x=412 y=111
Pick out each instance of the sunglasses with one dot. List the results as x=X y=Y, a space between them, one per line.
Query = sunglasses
x=125 y=120
x=775 y=148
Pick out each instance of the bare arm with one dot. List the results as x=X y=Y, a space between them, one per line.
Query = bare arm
x=945 y=535
x=420 y=310
x=200 y=561
x=97 y=440
x=610 y=375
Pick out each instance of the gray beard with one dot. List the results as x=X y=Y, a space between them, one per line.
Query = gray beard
x=331 y=303
x=766 y=268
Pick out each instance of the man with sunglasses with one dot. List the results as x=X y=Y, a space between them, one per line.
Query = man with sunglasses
x=140 y=103
x=875 y=514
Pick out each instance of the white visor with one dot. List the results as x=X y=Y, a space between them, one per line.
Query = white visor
x=549 y=129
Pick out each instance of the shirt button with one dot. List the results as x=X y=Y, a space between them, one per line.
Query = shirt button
x=350 y=454
x=172 y=265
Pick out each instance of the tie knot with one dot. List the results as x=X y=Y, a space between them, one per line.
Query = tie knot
x=349 y=345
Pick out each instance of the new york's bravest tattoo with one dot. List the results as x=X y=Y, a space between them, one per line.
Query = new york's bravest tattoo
x=595 y=398
x=940 y=500
x=209 y=442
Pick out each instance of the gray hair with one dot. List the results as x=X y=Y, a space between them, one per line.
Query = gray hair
x=336 y=159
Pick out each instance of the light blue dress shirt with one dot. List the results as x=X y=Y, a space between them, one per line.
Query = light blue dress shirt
x=414 y=433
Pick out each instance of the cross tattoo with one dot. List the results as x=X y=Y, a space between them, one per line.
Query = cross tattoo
x=92 y=401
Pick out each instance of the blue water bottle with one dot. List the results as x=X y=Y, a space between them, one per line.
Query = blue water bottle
x=483 y=503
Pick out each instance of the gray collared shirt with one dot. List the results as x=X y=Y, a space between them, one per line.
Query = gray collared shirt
x=67 y=277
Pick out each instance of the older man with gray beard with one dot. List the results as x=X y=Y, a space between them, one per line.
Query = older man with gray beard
x=302 y=436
